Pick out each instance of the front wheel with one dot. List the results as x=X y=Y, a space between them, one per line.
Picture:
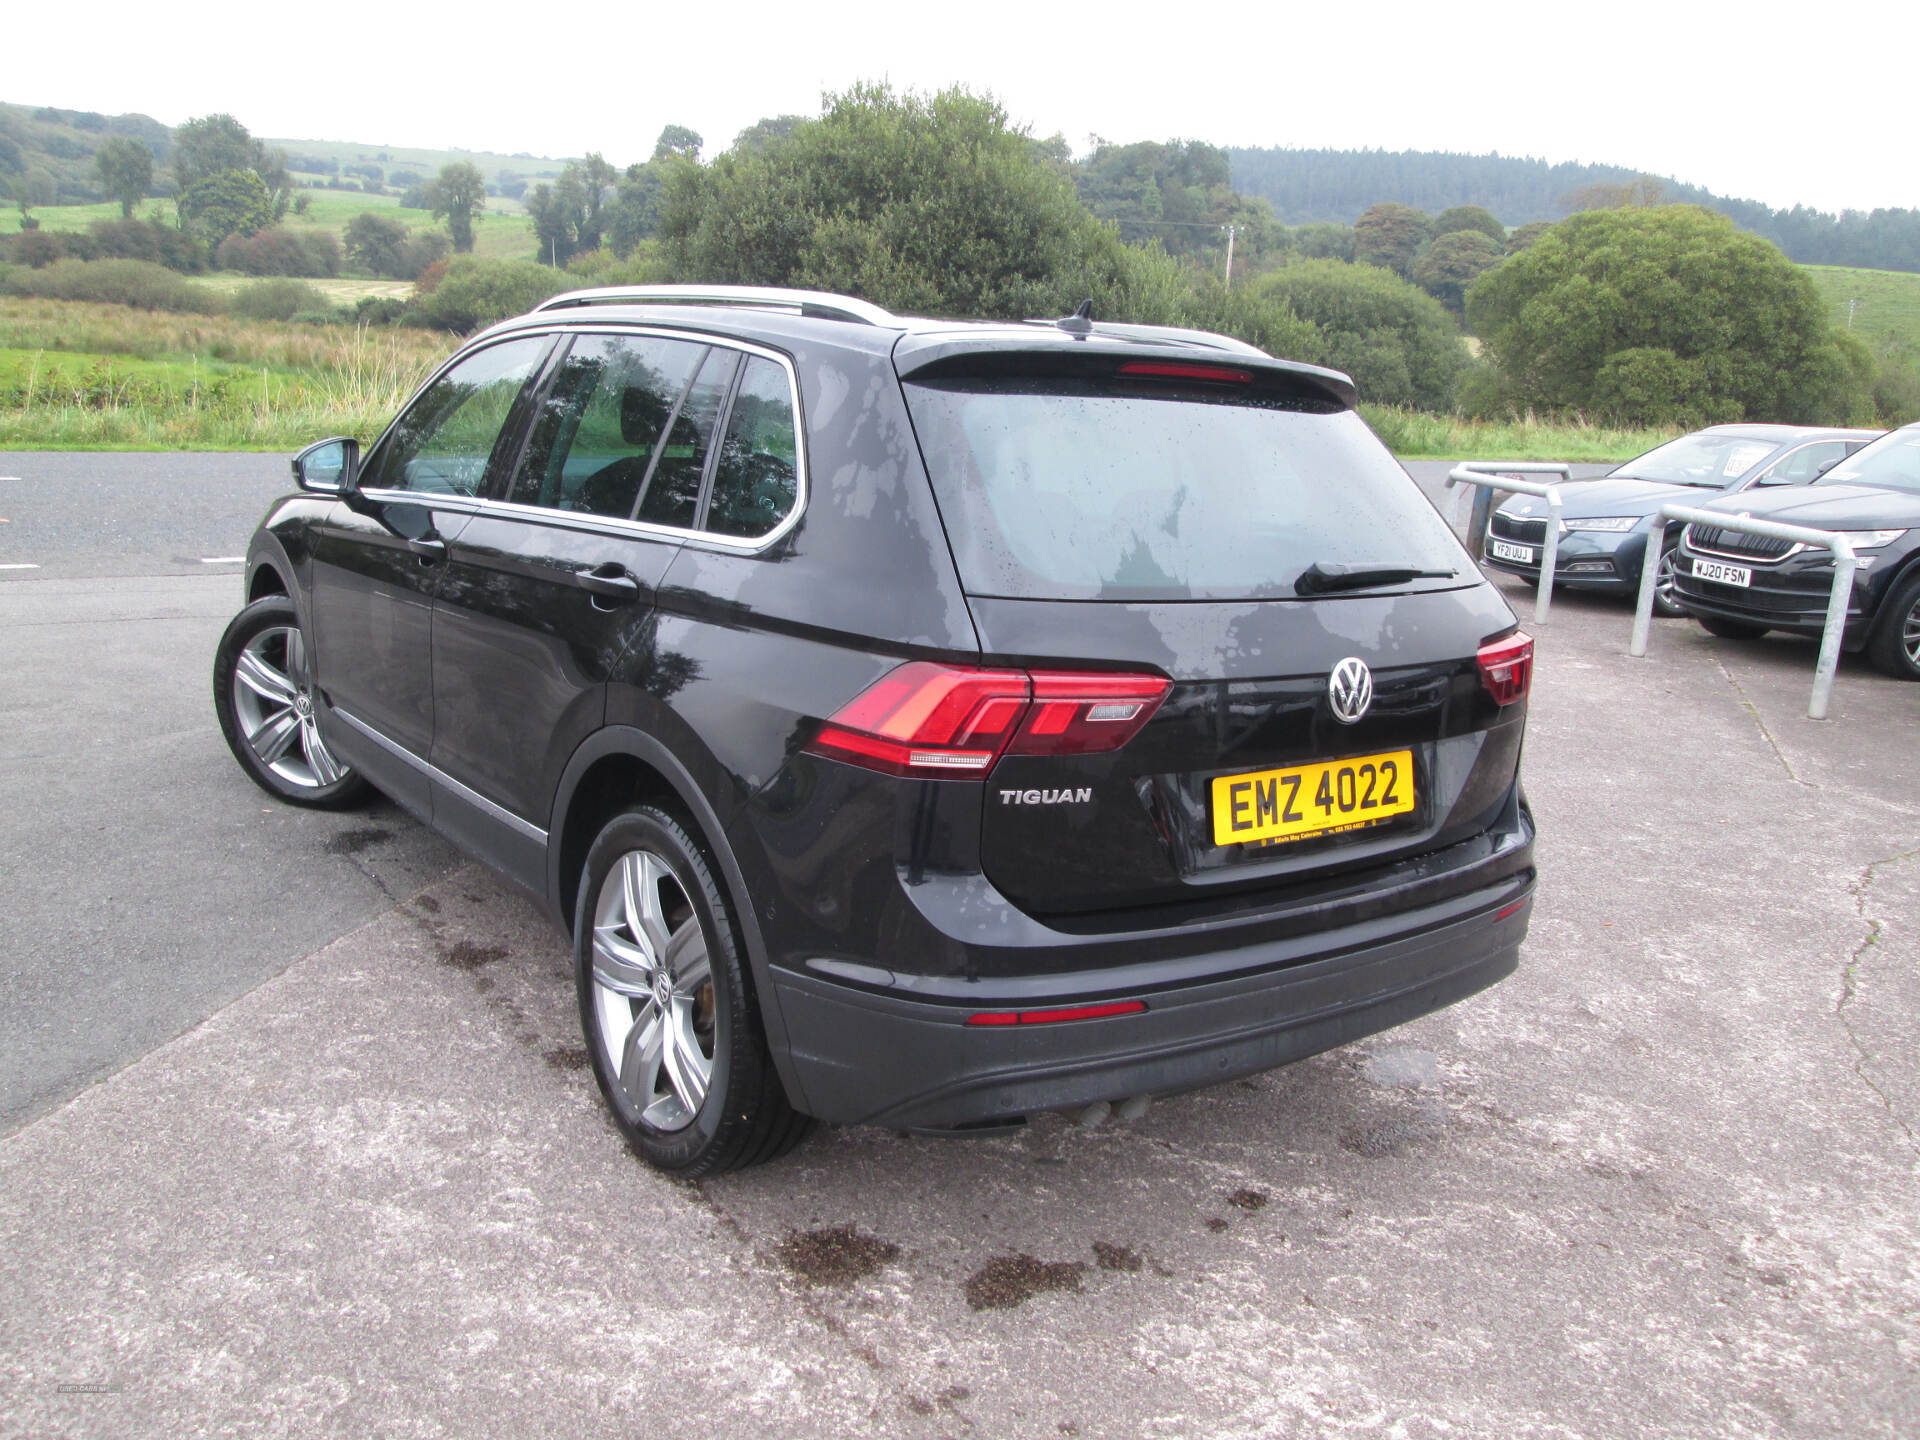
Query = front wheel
x=264 y=692
x=1730 y=629
x=667 y=1007
x=1895 y=646
x=1664 y=603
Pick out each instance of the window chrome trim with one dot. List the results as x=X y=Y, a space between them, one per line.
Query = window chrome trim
x=524 y=828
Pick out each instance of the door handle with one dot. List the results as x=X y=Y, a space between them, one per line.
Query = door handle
x=609 y=582
x=429 y=550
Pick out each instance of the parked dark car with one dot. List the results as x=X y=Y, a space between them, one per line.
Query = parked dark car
x=1605 y=523
x=912 y=722
x=1741 y=585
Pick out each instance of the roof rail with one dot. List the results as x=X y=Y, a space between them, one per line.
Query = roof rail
x=815 y=304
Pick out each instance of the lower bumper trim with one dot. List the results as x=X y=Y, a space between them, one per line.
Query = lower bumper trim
x=862 y=1058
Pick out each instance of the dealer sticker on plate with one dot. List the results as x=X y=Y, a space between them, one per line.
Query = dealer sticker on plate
x=1507 y=550
x=1305 y=800
x=1725 y=574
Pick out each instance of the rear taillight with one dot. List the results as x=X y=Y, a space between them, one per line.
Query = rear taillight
x=939 y=720
x=1506 y=667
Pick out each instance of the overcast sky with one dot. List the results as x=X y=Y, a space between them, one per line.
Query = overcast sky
x=1786 y=105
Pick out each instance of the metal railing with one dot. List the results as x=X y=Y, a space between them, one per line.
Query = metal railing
x=1493 y=478
x=1844 y=565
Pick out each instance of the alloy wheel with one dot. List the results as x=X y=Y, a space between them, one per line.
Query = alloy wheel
x=273 y=701
x=1664 y=590
x=653 y=991
x=1910 y=634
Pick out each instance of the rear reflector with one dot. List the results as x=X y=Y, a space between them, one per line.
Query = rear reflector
x=1506 y=667
x=1172 y=370
x=1507 y=910
x=928 y=719
x=1054 y=1017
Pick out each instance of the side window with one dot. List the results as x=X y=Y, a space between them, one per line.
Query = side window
x=754 y=485
x=441 y=444
x=1799 y=466
x=599 y=425
x=672 y=492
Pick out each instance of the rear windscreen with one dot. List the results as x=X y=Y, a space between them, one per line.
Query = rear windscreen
x=1075 y=489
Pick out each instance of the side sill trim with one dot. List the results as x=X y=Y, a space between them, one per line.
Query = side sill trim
x=513 y=822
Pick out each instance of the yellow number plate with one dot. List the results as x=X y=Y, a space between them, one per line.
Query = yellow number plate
x=1307 y=800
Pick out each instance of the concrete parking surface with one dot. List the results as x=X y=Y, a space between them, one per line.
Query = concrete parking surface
x=1663 y=1181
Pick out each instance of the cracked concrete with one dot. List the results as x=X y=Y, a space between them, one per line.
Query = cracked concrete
x=1662 y=1181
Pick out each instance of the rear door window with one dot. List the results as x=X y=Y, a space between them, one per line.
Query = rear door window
x=671 y=495
x=1083 y=489
x=756 y=480
x=598 y=426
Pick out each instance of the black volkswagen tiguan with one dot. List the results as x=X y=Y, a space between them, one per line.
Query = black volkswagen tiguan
x=912 y=722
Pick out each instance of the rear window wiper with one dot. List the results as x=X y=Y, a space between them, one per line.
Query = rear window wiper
x=1321 y=578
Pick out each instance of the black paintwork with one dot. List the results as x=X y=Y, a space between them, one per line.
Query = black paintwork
x=1792 y=594
x=511 y=684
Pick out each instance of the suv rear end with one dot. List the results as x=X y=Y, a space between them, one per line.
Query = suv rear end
x=1133 y=845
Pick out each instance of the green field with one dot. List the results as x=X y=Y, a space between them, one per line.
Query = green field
x=501 y=232
x=413 y=157
x=1885 y=309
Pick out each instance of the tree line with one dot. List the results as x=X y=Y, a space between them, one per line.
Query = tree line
x=1306 y=186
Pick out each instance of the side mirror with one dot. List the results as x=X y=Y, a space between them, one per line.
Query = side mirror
x=1828 y=466
x=330 y=467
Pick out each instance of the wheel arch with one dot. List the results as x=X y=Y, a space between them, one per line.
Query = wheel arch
x=614 y=769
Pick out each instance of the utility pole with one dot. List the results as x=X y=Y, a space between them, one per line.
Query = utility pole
x=1230 y=230
x=1850 y=304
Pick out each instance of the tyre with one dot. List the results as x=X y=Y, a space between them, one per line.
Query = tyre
x=1664 y=604
x=1895 y=646
x=667 y=1004
x=1730 y=629
x=263 y=689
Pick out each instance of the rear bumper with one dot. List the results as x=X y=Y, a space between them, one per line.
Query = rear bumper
x=862 y=1055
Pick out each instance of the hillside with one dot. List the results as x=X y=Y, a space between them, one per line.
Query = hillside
x=59 y=144
x=330 y=163
x=1337 y=185
x=1882 y=307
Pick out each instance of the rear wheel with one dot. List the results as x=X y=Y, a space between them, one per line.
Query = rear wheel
x=264 y=691
x=667 y=1005
x=1895 y=646
x=1730 y=629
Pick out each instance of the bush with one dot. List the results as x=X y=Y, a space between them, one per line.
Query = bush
x=473 y=293
x=139 y=284
x=378 y=310
x=36 y=249
x=1675 y=279
x=277 y=299
x=419 y=254
x=280 y=252
x=150 y=241
x=1650 y=386
x=1399 y=344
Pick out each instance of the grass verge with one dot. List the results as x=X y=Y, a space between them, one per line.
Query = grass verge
x=102 y=377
